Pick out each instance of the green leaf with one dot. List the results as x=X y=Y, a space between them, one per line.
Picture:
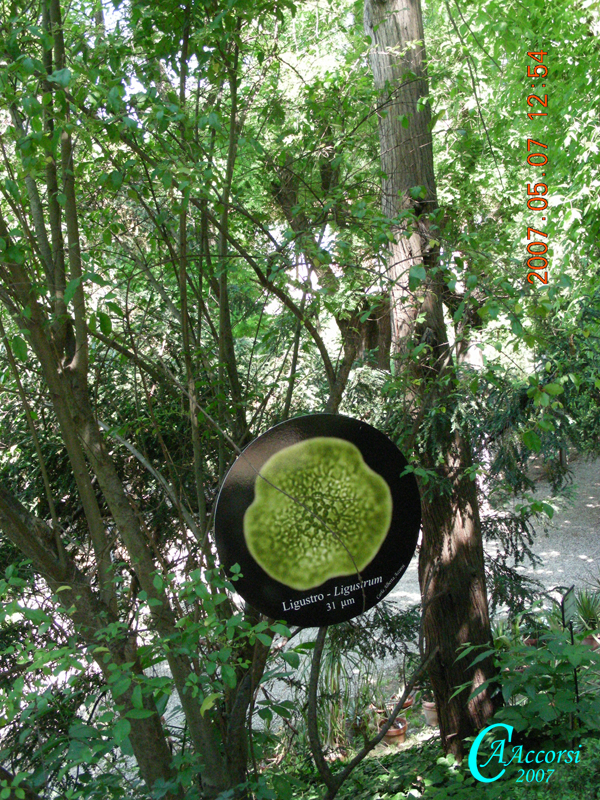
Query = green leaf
x=214 y=121
x=139 y=713
x=229 y=676
x=70 y=290
x=105 y=323
x=208 y=703
x=284 y=789
x=19 y=347
x=224 y=654
x=458 y=314
x=493 y=309
x=81 y=731
x=121 y=730
x=12 y=188
x=516 y=327
x=281 y=629
x=532 y=441
x=553 y=389
x=116 y=309
x=97 y=279
x=121 y=687
x=36 y=615
x=548 y=509
x=61 y=76
x=15 y=254
x=292 y=658
x=418 y=192
x=116 y=179
x=136 y=697
x=416 y=274
x=28 y=65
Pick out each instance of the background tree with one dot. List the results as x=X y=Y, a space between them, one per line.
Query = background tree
x=451 y=567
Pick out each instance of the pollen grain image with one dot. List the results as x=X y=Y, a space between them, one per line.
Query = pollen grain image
x=319 y=512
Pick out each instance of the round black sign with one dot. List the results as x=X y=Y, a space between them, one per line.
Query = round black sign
x=318 y=518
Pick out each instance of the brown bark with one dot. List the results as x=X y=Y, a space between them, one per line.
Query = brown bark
x=238 y=701
x=201 y=730
x=57 y=283
x=227 y=357
x=79 y=360
x=452 y=579
x=85 y=443
x=397 y=61
x=451 y=569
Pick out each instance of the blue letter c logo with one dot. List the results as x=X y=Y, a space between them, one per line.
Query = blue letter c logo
x=475 y=747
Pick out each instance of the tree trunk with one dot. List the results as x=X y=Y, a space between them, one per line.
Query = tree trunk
x=451 y=567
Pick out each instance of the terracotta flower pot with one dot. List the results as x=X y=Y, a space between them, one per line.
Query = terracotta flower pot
x=407 y=703
x=591 y=641
x=397 y=733
x=430 y=712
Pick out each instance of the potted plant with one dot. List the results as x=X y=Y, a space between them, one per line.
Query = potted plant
x=430 y=712
x=407 y=703
x=396 y=734
x=588 y=613
x=428 y=704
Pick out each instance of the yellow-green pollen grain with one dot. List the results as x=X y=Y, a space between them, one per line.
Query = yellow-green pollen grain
x=329 y=477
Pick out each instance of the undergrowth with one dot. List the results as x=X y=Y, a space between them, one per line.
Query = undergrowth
x=420 y=772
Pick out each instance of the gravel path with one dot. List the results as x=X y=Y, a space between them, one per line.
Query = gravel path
x=570 y=549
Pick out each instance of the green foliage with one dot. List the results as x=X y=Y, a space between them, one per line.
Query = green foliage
x=548 y=678
x=422 y=773
x=59 y=724
x=588 y=610
x=305 y=239
x=539 y=690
